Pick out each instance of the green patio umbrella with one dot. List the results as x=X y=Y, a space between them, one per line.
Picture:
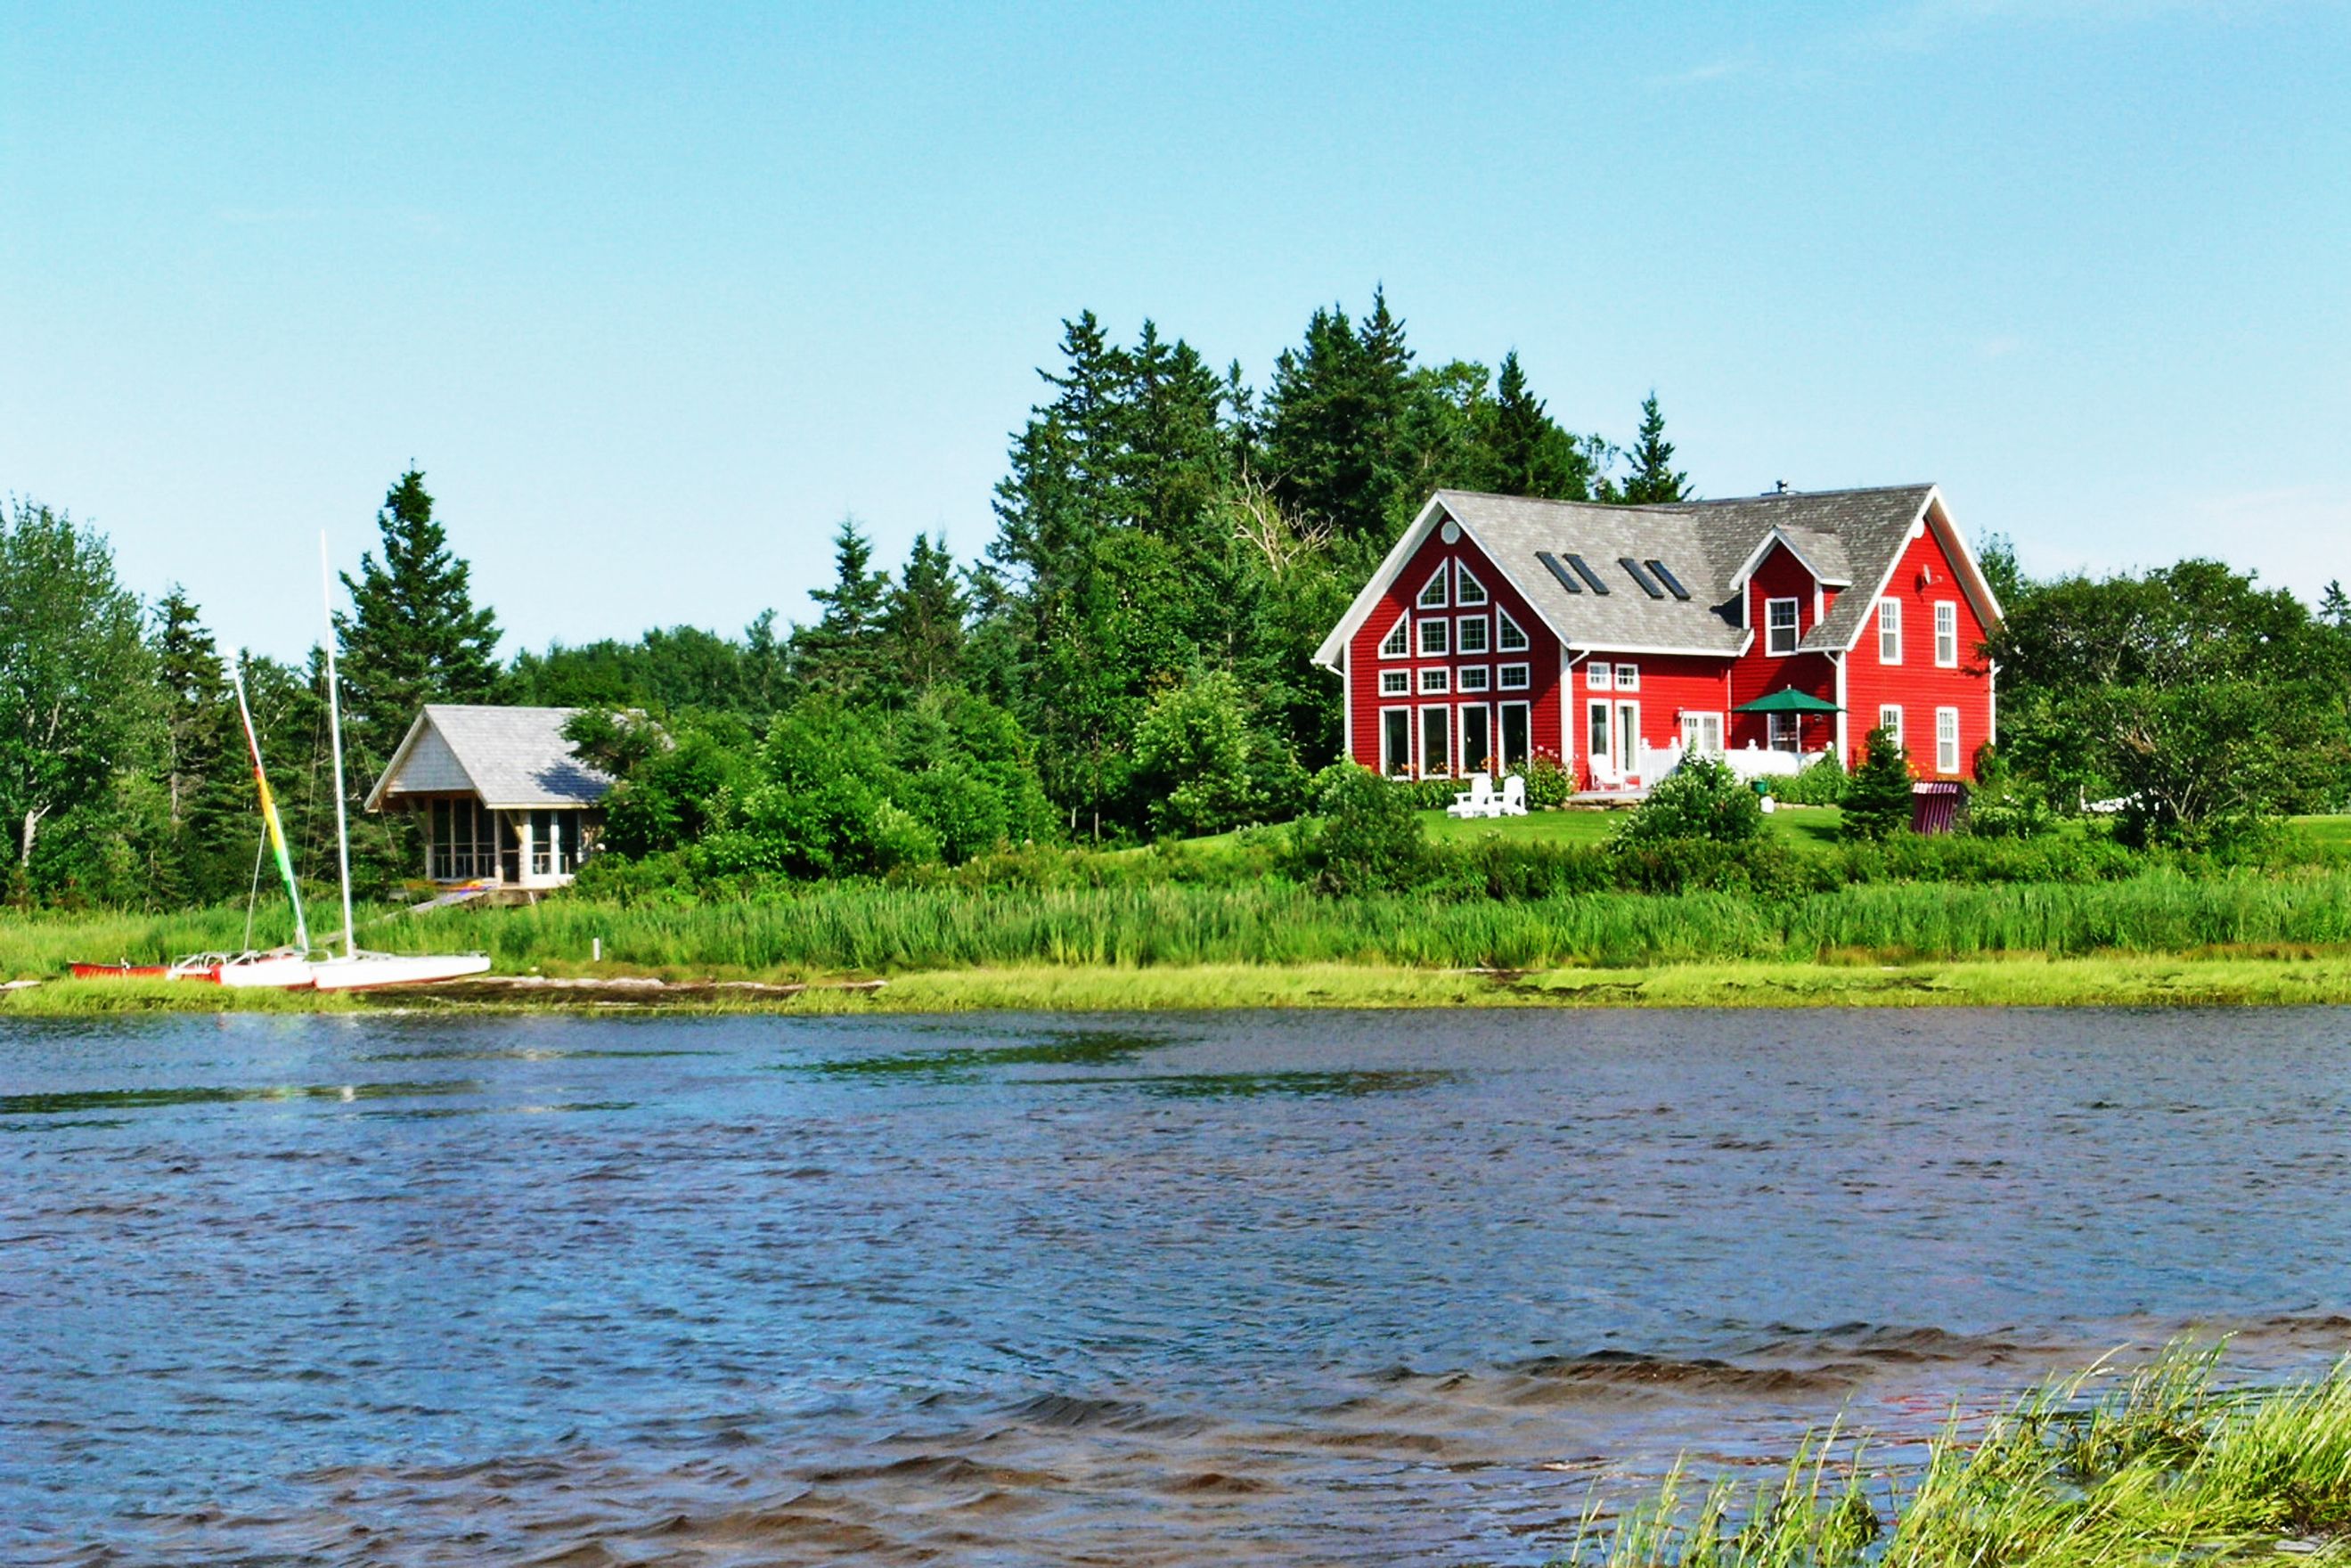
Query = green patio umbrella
x=1788 y=699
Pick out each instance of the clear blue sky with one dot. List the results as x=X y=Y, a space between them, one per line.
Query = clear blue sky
x=656 y=293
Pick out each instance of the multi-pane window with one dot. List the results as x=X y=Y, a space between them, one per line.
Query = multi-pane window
x=1779 y=626
x=1432 y=594
x=1890 y=631
x=1467 y=590
x=1469 y=635
x=1628 y=677
x=1398 y=643
x=1394 y=682
x=1947 y=634
x=1433 y=636
x=1946 y=740
x=554 y=843
x=1515 y=742
x=1889 y=719
x=1514 y=677
x=1600 y=675
x=1433 y=679
x=1474 y=677
x=1436 y=742
x=1395 y=740
x=1507 y=636
x=1477 y=739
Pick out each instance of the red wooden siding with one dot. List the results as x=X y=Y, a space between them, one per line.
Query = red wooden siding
x=1363 y=664
x=1759 y=673
x=1923 y=578
x=1670 y=685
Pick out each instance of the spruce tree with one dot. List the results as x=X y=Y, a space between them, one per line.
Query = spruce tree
x=414 y=635
x=1878 y=798
x=840 y=655
x=1335 y=421
x=1528 y=453
x=924 y=622
x=207 y=783
x=1653 y=480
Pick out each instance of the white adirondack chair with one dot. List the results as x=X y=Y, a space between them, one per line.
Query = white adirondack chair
x=1512 y=802
x=1478 y=800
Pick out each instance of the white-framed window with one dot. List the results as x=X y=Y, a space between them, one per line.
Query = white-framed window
x=1946 y=740
x=1396 y=741
x=1628 y=677
x=1432 y=592
x=1783 y=734
x=1518 y=743
x=1946 y=633
x=1702 y=733
x=1435 y=678
x=1397 y=644
x=1780 y=625
x=1890 y=631
x=1600 y=675
x=1513 y=678
x=1437 y=742
x=1477 y=739
x=1395 y=682
x=1475 y=677
x=1467 y=590
x=1470 y=635
x=1507 y=637
x=1433 y=635
x=1889 y=719
x=1598 y=729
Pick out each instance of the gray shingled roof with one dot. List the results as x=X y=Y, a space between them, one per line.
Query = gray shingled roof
x=1848 y=536
x=510 y=756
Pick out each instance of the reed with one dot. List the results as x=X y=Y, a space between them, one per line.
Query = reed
x=2159 y=1467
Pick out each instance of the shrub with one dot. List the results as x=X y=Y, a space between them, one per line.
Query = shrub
x=1548 y=783
x=1877 y=802
x=1822 y=784
x=1701 y=798
x=1362 y=835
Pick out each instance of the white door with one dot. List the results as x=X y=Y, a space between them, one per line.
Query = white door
x=1702 y=733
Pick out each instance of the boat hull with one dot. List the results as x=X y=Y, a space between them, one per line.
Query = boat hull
x=373 y=971
x=267 y=972
x=139 y=972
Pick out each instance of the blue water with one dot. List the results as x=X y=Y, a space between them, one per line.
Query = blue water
x=1287 y=1286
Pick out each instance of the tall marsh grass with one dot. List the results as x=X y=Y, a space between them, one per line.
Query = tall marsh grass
x=2165 y=1469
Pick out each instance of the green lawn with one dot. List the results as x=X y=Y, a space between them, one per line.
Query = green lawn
x=1799 y=825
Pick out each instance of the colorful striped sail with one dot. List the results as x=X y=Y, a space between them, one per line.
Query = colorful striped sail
x=276 y=829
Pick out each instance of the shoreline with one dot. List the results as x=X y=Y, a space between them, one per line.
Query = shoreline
x=2123 y=980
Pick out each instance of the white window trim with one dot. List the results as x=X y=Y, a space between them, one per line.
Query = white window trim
x=1444 y=629
x=1502 y=721
x=1606 y=708
x=1421 y=600
x=1893 y=728
x=1774 y=725
x=1771 y=633
x=1502 y=682
x=1485 y=679
x=1628 y=677
x=1486 y=631
x=1388 y=768
x=1505 y=628
x=1466 y=764
x=1435 y=681
x=1404 y=625
x=1890 y=631
x=1952 y=715
x=1947 y=609
x=1599 y=677
x=1403 y=682
x=1420 y=740
x=1695 y=718
x=1461 y=574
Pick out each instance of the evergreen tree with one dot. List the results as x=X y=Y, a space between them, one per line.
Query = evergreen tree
x=414 y=635
x=2335 y=606
x=1878 y=798
x=1528 y=453
x=842 y=655
x=208 y=796
x=922 y=624
x=1654 y=479
x=1334 y=417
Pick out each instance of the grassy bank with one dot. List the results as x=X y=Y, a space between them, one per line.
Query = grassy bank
x=2165 y=1470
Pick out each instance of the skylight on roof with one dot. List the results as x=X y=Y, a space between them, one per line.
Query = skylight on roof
x=1591 y=578
x=1551 y=562
x=1640 y=579
x=1673 y=584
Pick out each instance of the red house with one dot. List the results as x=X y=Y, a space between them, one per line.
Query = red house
x=1616 y=638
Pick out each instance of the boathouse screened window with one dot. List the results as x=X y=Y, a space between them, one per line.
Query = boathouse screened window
x=554 y=843
x=1779 y=626
x=462 y=841
x=1947 y=634
x=1890 y=631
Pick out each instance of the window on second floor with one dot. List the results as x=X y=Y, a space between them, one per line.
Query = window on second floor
x=1398 y=643
x=1947 y=634
x=1433 y=637
x=1890 y=631
x=1507 y=636
x=1779 y=626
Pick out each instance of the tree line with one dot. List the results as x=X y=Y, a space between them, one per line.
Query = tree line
x=1127 y=656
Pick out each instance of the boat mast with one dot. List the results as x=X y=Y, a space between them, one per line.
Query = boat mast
x=335 y=744
x=273 y=830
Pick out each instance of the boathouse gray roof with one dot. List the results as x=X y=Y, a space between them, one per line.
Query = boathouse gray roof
x=1850 y=540
x=512 y=759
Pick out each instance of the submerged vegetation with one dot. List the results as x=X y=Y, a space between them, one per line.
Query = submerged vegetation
x=2166 y=1467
